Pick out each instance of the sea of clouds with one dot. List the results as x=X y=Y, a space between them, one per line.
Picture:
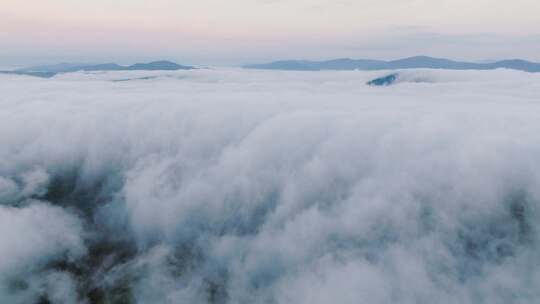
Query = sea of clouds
x=243 y=186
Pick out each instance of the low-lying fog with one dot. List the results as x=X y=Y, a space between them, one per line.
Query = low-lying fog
x=244 y=186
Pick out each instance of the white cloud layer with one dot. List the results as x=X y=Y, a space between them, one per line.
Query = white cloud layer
x=234 y=186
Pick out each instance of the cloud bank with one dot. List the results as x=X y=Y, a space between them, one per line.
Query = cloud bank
x=234 y=186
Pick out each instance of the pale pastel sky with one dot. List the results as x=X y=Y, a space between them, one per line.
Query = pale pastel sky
x=231 y=32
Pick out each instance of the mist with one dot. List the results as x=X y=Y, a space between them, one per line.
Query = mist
x=245 y=186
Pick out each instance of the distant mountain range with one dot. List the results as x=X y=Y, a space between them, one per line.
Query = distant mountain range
x=406 y=63
x=417 y=62
x=47 y=71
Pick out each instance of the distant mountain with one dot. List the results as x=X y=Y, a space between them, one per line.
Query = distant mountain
x=152 y=66
x=55 y=68
x=158 y=65
x=47 y=71
x=35 y=74
x=516 y=64
x=406 y=63
x=103 y=67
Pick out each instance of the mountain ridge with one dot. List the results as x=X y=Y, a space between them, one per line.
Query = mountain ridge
x=415 y=62
x=47 y=71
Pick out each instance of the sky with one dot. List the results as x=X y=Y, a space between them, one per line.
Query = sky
x=219 y=32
